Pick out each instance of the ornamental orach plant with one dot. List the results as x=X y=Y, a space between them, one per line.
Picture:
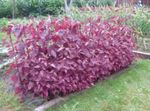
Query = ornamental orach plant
x=61 y=56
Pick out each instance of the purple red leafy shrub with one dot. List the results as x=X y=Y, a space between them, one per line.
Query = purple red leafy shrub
x=61 y=56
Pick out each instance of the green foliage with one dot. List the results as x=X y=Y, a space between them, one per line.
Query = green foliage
x=27 y=7
x=105 y=12
x=96 y=3
x=39 y=7
x=31 y=7
x=5 y=8
x=100 y=2
x=53 y=7
x=141 y=23
x=3 y=22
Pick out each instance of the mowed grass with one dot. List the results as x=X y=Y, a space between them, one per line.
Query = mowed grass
x=8 y=102
x=1 y=36
x=127 y=91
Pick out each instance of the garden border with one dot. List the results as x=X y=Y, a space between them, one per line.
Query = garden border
x=141 y=54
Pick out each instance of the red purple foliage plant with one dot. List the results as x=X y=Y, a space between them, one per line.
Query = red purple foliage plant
x=61 y=56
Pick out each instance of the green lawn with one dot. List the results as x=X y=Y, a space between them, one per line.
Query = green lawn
x=8 y=102
x=127 y=91
x=1 y=36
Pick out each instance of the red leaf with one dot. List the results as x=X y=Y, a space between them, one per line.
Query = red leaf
x=14 y=78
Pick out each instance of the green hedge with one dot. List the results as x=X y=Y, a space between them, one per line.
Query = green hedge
x=31 y=7
x=39 y=7
x=81 y=3
x=5 y=8
x=3 y=22
x=44 y=7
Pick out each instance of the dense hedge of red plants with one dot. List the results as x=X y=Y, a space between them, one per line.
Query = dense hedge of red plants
x=61 y=56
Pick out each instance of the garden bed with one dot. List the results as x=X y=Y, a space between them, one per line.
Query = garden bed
x=51 y=48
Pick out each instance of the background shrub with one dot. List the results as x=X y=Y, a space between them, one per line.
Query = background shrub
x=5 y=8
x=52 y=7
x=141 y=22
x=81 y=3
x=83 y=13
x=62 y=56
x=31 y=7
x=27 y=7
x=3 y=22
x=42 y=7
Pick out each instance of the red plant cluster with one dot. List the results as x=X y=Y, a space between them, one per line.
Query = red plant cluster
x=61 y=56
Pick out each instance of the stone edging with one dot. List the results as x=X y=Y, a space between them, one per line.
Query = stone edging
x=144 y=55
x=50 y=104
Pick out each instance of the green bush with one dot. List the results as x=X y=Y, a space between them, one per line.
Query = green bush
x=82 y=14
x=5 y=8
x=52 y=7
x=81 y=3
x=31 y=7
x=44 y=7
x=3 y=22
x=39 y=7
x=27 y=7
x=141 y=23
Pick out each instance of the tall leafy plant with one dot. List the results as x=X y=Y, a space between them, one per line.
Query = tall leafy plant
x=61 y=56
x=141 y=23
x=81 y=3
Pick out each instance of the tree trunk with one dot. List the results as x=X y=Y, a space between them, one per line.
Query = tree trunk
x=13 y=8
x=68 y=4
